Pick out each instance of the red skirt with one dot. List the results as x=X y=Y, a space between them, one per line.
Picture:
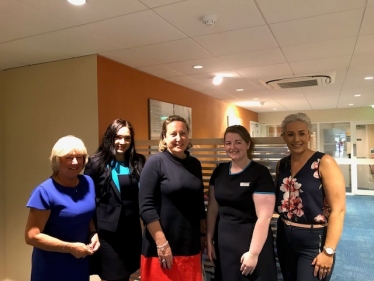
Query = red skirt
x=184 y=268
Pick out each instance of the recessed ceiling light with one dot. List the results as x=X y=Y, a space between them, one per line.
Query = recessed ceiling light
x=217 y=80
x=275 y=108
x=239 y=90
x=369 y=78
x=357 y=95
x=198 y=66
x=77 y=2
x=350 y=104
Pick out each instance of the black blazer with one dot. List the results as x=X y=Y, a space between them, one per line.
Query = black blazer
x=110 y=203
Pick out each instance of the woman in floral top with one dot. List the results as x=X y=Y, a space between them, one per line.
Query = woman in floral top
x=311 y=205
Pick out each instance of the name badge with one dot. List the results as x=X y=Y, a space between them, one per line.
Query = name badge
x=244 y=183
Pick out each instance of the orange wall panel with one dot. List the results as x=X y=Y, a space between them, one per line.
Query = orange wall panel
x=123 y=92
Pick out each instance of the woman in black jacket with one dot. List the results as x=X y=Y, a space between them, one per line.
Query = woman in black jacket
x=115 y=169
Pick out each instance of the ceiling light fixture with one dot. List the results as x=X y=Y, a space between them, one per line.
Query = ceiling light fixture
x=198 y=66
x=357 y=95
x=217 y=80
x=369 y=78
x=350 y=104
x=275 y=108
x=372 y=106
x=239 y=90
x=77 y=2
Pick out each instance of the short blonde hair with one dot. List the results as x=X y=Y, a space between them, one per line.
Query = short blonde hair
x=65 y=146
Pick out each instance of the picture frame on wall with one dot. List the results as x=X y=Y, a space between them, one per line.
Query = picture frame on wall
x=159 y=111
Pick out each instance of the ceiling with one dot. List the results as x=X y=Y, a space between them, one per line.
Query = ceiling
x=251 y=40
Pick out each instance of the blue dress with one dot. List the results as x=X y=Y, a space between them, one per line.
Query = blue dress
x=71 y=211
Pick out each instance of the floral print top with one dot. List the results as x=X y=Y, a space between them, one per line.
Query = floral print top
x=301 y=198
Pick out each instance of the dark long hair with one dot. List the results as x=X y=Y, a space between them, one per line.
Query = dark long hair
x=107 y=152
x=244 y=134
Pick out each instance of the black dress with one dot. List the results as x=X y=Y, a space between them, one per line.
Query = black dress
x=237 y=218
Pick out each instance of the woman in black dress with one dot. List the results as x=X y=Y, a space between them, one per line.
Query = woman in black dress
x=115 y=169
x=242 y=192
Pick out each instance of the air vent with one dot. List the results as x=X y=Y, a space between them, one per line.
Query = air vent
x=297 y=82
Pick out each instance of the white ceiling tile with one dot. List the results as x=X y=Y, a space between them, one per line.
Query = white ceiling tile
x=277 y=11
x=174 y=51
x=159 y=71
x=258 y=58
x=368 y=22
x=6 y=64
x=19 y=20
x=207 y=78
x=128 y=57
x=209 y=65
x=319 y=50
x=186 y=81
x=157 y=3
x=320 y=65
x=27 y=53
x=238 y=41
x=324 y=102
x=136 y=29
x=362 y=59
x=365 y=44
x=269 y=71
x=361 y=72
x=73 y=42
x=344 y=101
x=230 y=15
x=318 y=28
x=94 y=10
x=291 y=104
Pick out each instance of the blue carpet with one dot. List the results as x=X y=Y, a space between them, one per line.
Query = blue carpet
x=355 y=253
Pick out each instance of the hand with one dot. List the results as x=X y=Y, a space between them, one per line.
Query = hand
x=249 y=262
x=211 y=252
x=94 y=242
x=80 y=250
x=165 y=255
x=322 y=265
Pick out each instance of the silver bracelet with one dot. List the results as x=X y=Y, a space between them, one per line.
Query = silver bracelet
x=162 y=246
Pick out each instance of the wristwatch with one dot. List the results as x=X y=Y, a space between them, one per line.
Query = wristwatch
x=329 y=251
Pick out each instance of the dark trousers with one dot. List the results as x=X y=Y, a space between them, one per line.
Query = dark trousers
x=296 y=249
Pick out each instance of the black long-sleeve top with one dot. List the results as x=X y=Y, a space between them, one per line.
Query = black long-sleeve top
x=171 y=190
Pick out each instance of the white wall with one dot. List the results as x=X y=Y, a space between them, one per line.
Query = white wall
x=323 y=115
x=42 y=103
x=2 y=181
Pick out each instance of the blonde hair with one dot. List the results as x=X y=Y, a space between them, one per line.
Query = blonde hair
x=65 y=146
x=161 y=144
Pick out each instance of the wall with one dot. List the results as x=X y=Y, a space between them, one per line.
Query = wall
x=43 y=103
x=325 y=115
x=2 y=181
x=124 y=92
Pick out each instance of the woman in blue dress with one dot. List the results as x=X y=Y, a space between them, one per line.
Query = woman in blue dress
x=60 y=225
